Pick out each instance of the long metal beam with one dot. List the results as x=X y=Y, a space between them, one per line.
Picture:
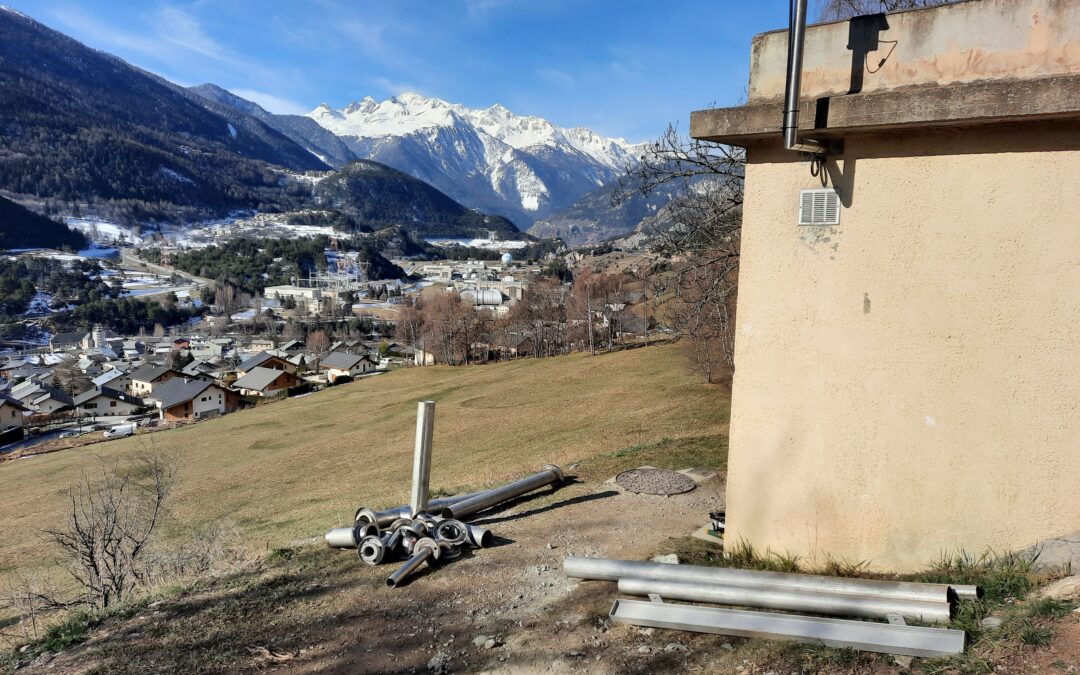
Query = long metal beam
x=864 y=635
x=791 y=600
x=613 y=570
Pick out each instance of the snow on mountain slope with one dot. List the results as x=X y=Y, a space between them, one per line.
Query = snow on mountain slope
x=519 y=166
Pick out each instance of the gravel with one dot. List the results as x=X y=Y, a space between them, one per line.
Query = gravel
x=655 y=482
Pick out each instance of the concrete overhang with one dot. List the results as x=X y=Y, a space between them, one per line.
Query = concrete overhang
x=914 y=107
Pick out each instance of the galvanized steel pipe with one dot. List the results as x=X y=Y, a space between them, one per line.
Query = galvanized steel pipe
x=421 y=553
x=421 y=477
x=789 y=599
x=613 y=570
x=341 y=537
x=384 y=518
x=550 y=474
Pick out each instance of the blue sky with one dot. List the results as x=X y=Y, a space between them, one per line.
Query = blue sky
x=622 y=67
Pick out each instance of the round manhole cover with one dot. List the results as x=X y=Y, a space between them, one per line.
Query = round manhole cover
x=655 y=481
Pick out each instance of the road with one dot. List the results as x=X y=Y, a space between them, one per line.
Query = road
x=129 y=259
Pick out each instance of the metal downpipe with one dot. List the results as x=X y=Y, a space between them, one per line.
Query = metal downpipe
x=550 y=474
x=791 y=600
x=796 y=44
x=613 y=570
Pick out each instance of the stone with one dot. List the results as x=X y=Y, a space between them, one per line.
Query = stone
x=669 y=559
x=674 y=647
x=491 y=643
x=727 y=646
x=479 y=640
x=550 y=545
x=439 y=663
x=1063 y=589
x=902 y=661
x=992 y=622
x=644 y=649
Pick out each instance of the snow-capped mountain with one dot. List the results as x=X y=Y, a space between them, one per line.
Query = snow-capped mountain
x=519 y=166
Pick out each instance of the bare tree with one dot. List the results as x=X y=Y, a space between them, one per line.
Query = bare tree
x=833 y=10
x=318 y=342
x=701 y=243
x=111 y=519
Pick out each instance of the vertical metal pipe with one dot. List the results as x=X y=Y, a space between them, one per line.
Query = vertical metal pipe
x=425 y=425
x=796 y=43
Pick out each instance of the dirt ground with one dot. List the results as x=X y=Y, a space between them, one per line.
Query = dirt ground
x=342 y=619
x=508 y=608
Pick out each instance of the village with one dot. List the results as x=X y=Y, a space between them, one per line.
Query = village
x=238 y=353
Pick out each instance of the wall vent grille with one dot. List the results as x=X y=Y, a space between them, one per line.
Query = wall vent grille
x=819 y=207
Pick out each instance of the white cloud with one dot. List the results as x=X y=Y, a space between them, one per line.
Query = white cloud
x=274 y=104
x=395 y=87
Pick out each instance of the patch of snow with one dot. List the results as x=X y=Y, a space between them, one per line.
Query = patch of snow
x=232 y=130
x=479 y=243
x=172 y=175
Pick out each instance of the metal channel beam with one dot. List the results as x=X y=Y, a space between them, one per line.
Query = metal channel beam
x=790 y=600
x=862 y=635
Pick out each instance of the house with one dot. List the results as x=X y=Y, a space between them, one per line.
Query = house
x=106 y=402
x=265 y=360
x=421 y=356
x=61 y=342
x=147 y=376
x=908 y=319
x=342 y=366
x=51 y=400
x=183 y=398
x=12 y=419
x=266 y=382
x=292 y=346
x=199 y=368
x=115 y=378
x=262 y=345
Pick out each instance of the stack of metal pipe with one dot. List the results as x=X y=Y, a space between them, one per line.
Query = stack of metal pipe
x=429 y=530
x=892 y=601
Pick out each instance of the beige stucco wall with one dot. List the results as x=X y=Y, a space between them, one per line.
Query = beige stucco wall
x=969 y=41
x=908 y=382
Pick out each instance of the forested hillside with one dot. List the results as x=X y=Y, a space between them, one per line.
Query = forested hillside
x=22 y=228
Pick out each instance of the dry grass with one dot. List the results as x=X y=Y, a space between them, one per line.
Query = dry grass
x=290 y=471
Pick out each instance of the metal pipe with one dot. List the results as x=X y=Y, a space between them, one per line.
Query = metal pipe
x=613 y=570
x=864 y=635
x=384 y=518
x=371 y=550
x=967 y=592
x=421 y=553
x=341 y=537
x=421 y=477
x=791 y=600
x=796 y=43
x=550 y=474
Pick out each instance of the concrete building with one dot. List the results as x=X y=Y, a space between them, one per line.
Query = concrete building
x=907 y=380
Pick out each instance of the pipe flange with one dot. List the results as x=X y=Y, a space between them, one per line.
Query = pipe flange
x=400 y=522
x=428 y=543
x=371 y=550
x=363 y=529
x=366 y=515
x=451 y=532
x=450 y=552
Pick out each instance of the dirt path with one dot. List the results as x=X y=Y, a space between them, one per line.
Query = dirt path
x=516 y=593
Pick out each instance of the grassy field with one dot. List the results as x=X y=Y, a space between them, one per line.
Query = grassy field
x=291 y=470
